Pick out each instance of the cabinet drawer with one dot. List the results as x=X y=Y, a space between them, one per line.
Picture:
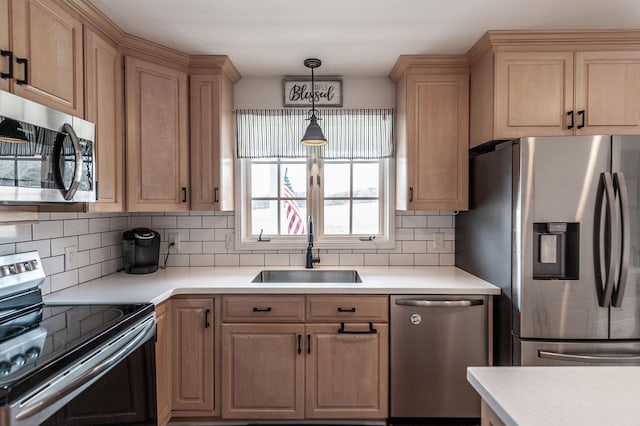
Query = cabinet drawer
x=263 y=308
x=347 y=308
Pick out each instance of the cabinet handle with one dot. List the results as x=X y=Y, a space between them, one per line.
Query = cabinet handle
x=9 y=54
x=184 y=194
x=25 y=62
x=570 y=114
x=411 y=194
x=267 y=309
x=299 y=344
x=215 y=195
x=371 y=330
x=581 y=114
x=206 y=318
x=308 y=343
x=346 y=309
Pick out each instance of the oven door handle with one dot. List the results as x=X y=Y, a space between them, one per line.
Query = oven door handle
x=77 y=172
x=47 y=395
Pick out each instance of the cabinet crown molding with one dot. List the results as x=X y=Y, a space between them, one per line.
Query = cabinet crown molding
x=431 y=63
x=546 y=38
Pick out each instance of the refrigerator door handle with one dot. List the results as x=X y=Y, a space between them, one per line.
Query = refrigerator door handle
x=604 y=359
x=604 y=290
x=620 y=186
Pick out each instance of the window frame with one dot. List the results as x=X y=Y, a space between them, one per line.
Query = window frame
x=385 y=239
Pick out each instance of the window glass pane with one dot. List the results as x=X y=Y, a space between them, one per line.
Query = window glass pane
x=264 y=178
x=30 y=173
x=336 y=217
x=293 y=220
x=7 y=171
x=264 y=215
x=366 y=217
x=366 y=180
x=337 y=179
x=296 y=174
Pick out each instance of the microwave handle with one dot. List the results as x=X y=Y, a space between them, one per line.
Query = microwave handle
x=77 y=173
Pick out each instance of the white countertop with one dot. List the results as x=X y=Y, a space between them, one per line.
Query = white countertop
x=560 y=395
x=159 y=286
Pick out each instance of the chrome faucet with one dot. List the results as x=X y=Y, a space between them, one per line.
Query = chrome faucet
x=310 y=259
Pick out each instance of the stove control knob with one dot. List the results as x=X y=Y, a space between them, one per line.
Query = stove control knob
x=12 y=269
x=33 y=265
x=20 y=267
x=19 y=360
x=5 y=368
x=33 y=352
x=4 y=270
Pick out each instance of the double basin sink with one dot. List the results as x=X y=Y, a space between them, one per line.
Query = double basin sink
x=307 y=276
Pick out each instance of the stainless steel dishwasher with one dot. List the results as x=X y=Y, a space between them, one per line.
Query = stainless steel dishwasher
x=433 y=339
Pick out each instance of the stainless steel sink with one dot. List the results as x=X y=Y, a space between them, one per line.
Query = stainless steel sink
x=307 y=276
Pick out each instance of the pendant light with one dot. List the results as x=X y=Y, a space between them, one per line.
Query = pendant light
x=313 y=136
x=11 y=132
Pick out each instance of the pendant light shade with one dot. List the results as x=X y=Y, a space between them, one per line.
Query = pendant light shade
x=10 y=131
x=313 y=136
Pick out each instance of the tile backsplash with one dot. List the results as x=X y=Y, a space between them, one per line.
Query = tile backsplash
x=204 y=241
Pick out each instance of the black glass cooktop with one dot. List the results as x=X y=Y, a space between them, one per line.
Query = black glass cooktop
x=37 y=341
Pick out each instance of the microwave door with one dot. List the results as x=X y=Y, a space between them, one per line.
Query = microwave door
x=68 y=158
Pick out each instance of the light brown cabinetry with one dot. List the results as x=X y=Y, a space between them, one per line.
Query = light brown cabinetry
x=193 y=383
x=212 y=134
x=104 y=105
x=278 y=363
x=157 y=137
x=489 y=417
x=554 y=84
x=163 y=362
x=46 y=44
x=432 y=95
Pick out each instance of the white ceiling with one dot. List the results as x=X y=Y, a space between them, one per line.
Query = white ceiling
x=351 y=37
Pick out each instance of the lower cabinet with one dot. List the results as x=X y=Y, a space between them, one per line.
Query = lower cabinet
x=298 y=370
x=163 y=362
x=193 y=356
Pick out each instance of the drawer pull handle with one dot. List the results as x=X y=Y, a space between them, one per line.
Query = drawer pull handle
x=371 y=330
x=267 y=309
x=346 y=309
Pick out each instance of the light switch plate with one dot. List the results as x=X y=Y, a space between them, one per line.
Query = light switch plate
x=70 y=258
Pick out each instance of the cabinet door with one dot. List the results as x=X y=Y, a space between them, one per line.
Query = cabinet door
x=212 y=142
x=193 y=355
x=103 y=90
x=533 y=94
x=438 y=141
x=50 y=39
x=157 y=137
x=4 y=42
x=347 y=374
x=262 y=371
x=163 y=362
x=608 y=91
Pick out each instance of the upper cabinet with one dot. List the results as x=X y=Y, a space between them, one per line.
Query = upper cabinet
x=157 y=137
x=432 y=102
x=104 y=105
x=554 y=84
x=45 y=53
x=212 y=133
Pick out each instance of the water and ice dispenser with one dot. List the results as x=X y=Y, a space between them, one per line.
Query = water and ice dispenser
x=556 y=250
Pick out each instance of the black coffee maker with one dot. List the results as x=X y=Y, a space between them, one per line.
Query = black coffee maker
x=141 y=250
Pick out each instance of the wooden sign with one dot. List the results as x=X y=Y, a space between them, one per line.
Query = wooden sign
x=296 y=91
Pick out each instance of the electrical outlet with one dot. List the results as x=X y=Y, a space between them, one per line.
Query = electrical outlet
x=229 y=241
x=438 y=240
x=70 y=258
x=174 y=238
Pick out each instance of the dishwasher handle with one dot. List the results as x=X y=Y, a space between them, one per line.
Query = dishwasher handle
x=427 y=303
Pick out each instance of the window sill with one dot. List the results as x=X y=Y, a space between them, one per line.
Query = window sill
x=300 y=244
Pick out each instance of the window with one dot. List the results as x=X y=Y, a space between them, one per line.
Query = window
x=348 y=199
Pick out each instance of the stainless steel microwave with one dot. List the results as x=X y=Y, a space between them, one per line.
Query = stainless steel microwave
x=46 y=156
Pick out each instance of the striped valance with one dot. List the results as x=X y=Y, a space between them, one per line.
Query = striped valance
x=351 y=133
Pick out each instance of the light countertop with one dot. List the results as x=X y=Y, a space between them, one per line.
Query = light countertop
x=560 y=395
x=159 y=286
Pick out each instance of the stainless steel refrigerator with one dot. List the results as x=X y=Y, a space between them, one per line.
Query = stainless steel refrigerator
x=555 y=222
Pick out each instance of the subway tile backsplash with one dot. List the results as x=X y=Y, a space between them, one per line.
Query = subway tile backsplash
x=203 y=242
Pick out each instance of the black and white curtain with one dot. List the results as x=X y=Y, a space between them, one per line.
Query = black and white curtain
x=351 y=133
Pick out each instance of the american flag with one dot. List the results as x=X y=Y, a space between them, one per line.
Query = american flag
x=295 y=224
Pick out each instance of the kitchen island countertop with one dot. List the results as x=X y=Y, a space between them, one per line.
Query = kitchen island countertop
x=560 y=395
x=164 y=283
